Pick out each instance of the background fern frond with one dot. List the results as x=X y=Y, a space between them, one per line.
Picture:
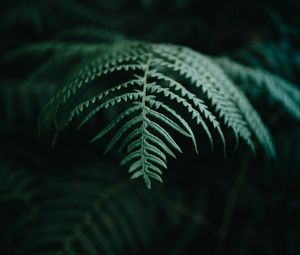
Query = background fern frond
x=16 y=185
x=275 y=87
x=86 y=215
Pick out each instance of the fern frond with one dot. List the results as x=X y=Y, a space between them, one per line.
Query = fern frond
x=84 y=215
x=22 y=103
x=16 y=185
x=192 y=66
x=271 y=56
x=207 y=67
x=162 y=79
x=284 y=92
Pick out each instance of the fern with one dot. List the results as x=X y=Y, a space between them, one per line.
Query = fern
x=22 y=103
x=82 y=214
x=16 y=185
x=163 y=78
x=143 y=104
x=281 y=90
x=270 y=56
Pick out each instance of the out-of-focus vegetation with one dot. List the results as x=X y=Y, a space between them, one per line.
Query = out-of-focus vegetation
x=238 y=62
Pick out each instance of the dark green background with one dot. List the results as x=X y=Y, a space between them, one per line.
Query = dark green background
x=209 y=204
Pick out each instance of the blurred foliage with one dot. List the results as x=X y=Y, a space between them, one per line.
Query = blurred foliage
x=67 y=200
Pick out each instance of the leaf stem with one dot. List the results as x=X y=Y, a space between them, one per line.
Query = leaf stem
x=144 y=125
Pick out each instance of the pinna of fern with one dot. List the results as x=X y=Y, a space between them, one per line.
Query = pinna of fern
x=272 y=85
x=162 y=78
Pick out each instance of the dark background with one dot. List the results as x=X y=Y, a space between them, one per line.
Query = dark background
x=209 y=204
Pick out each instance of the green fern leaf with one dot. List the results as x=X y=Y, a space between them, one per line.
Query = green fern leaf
x=161 y=80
